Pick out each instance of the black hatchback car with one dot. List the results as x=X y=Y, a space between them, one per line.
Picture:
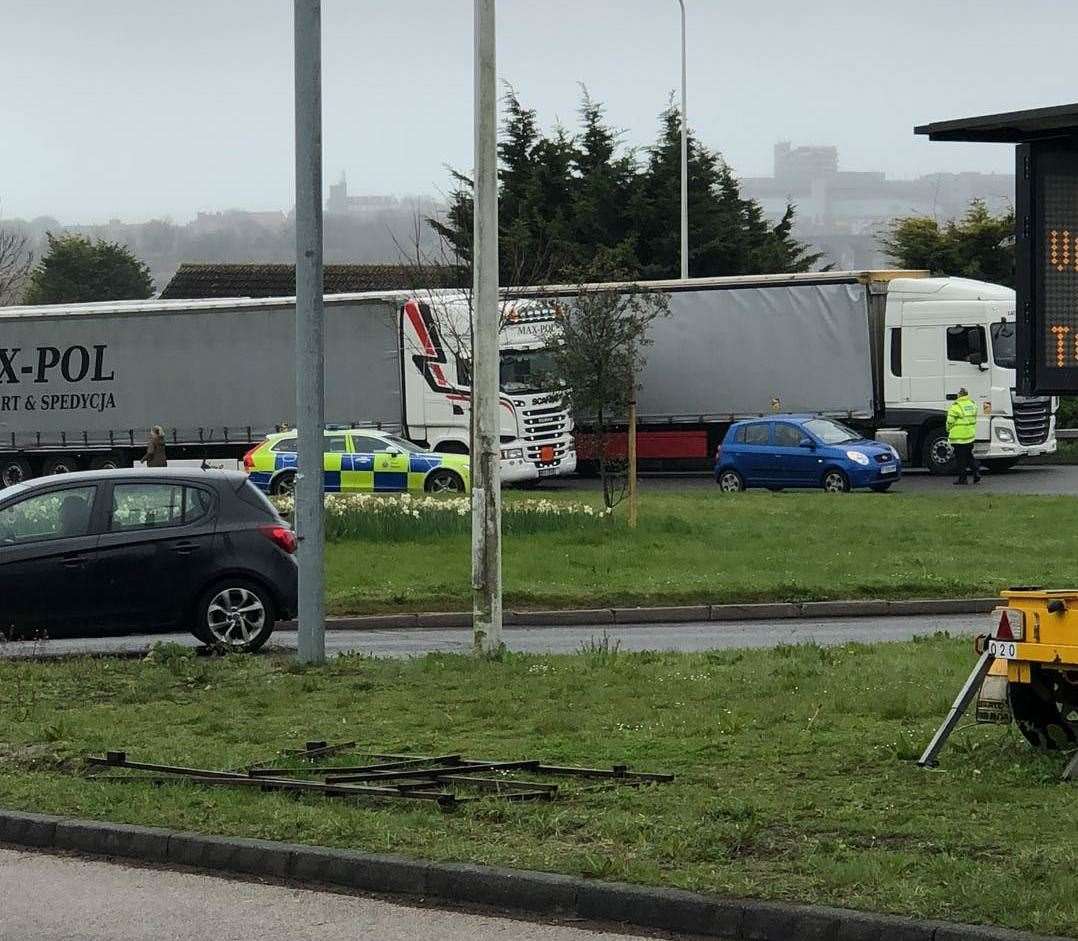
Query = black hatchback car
x=145 y=550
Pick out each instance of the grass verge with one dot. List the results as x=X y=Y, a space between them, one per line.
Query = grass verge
x=796 y=774
x=706 y=547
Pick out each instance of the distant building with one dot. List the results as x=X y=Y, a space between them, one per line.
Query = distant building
x=842 y=213
x=231 y=219
x=341 y=204
x=804 y=164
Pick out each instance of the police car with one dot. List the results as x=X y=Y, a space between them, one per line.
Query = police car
x=359 y=460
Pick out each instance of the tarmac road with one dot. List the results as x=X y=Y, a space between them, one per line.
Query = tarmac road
x=64 y=898
x=689 y=636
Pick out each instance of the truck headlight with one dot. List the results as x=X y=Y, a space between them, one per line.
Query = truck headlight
x=858 y=458
x=1004 y=434
x=512 y=454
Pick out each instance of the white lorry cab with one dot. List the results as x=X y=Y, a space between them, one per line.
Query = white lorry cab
x=435 y=343
x=943 y=334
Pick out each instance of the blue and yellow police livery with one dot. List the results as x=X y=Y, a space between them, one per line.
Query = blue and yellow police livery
x=359 y=460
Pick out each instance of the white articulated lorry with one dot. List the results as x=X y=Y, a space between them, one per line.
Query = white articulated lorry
x=81 y=384
x=885 y=351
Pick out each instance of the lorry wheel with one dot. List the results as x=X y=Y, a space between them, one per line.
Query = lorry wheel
x=834 y=481
x=108 y=462
x=284 y=485
x=59 y=465
x=1001 y=465
x=14 y=470
x=730 y=481
x=937 y=453
x=1045 y=710
x=444 y=481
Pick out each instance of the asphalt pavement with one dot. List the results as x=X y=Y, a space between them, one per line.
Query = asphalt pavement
x=689 y=636
x=1047 y=479
x=64 y=898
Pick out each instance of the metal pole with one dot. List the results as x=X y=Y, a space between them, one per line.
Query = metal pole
x=965 y=696
x=632 y=460
x=310 y=333
x=684 y=153
x=486 y=485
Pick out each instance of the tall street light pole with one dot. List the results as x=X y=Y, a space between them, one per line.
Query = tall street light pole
x=684 y=154
x=310 y=332
x=486 y=483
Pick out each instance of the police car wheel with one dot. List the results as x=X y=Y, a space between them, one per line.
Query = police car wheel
x=834 y=481
x=284 y=485
x=443 y=481
x=235 y=615
x=1045 y=711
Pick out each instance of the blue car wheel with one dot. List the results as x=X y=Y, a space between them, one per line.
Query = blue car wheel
x=730 y=481
x=835 y=481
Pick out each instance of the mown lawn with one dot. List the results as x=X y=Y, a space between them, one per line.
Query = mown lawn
x=702 y=546
x=796 y=774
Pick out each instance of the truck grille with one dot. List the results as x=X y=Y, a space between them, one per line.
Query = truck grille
x=1032 y=419
x=545 y=428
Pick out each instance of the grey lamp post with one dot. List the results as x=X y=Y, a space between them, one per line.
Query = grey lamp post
x=684 y=155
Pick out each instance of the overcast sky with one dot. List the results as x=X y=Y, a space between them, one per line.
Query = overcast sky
x=143 y=108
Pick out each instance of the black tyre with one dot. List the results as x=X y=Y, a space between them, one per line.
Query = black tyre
x=1046 y=710
x=14 y=470
x=444 y=481
x=835 y=481
x=284 y=484
x=235 y=615
x=730 y=481
x=113 y=461
x=937 y=453
x=880 y=488
x=62 y=464
x=1000 y=465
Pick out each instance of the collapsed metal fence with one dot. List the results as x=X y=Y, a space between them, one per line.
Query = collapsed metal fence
x=446 y=780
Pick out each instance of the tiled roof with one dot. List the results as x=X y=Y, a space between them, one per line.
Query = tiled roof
x=195 y=281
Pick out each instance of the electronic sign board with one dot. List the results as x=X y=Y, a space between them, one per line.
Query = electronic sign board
x=1046 y=246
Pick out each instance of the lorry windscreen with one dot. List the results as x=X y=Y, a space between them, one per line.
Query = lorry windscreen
x=524 y=371
x=1003 y=348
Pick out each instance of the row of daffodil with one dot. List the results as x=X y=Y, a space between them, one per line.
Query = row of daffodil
x=360 y=514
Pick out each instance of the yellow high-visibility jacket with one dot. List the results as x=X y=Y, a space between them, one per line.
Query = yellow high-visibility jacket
x=962 y=421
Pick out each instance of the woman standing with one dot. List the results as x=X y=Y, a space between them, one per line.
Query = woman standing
x=155 y=449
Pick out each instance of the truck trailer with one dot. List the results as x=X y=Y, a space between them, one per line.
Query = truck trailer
x=82 y=384
x=883 y=351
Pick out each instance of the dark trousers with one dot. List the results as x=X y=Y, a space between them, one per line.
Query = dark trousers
x=966 y=463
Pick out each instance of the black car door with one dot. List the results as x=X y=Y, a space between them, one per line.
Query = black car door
x=155 y=552
x=47 y=538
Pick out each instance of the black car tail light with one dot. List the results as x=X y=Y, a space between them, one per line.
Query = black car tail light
x=280 y=536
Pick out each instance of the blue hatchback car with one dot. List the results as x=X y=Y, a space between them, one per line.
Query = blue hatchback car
x=803 y=451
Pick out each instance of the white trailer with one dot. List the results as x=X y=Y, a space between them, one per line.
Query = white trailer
x=81 y=384
x=886 y=351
